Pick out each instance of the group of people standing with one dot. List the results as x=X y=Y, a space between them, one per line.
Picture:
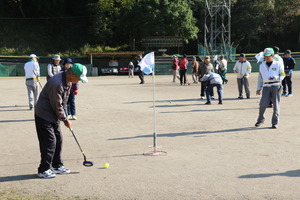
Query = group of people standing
x=55 y=103
x=275 y=75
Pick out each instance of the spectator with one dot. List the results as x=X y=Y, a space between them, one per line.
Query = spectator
x=289 y=65
x=243 y=69
x=53 y=67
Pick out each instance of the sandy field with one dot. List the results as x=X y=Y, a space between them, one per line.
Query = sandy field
x=213 y=151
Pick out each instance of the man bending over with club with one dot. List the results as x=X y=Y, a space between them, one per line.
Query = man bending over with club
x=49 y=111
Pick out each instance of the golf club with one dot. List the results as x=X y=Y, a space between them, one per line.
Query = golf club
x=38 y=81
x=85 y=162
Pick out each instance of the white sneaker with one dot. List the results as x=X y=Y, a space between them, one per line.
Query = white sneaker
x=47 y=174
x=61 y=170
x=69 y=116
x=74 y=117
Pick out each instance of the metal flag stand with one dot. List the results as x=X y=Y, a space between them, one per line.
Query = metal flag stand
x=157 y=151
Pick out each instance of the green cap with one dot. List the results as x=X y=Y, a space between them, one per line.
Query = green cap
x=80 y=71
x=268 y=51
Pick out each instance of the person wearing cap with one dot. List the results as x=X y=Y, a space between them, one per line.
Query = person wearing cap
x=183 y=64
x=271 y=73
x=243 y=69
x=175 y=68
x=130 y=69
x=71 y=106
x=195 y=68
x=32 y=75
x=289 y=65
x=205 y=68
x=278 y=58
x=49 y=111
x=53 y=67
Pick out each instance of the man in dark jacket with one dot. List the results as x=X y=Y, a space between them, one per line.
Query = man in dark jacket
x=49 y=111
x=289 y=64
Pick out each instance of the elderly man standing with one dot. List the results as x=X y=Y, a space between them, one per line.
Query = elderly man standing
x=271 y=73
x=49 y=111
x=243 y=68
x=54 y=67
x=32 y=74
x=223 y=68
x=289 y=65
x=205 y=68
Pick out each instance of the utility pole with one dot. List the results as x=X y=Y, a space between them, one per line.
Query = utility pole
x=217 y=33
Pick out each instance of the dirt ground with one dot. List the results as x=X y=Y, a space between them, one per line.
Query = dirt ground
x=213 y=151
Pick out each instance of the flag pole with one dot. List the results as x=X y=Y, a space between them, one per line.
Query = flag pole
x=154 y=114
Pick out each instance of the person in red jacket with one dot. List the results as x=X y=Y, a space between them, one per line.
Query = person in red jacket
x=175 y=68
x=183 y=69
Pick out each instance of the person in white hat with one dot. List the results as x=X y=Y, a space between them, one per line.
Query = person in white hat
x=130 y=69
x=271 y=73
x=32 y=75
x=53 y=67
x=49 y=111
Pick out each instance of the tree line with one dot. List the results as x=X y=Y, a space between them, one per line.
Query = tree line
x=56 y=26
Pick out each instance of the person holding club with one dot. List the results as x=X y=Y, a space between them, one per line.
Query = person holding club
x=49 y=111
x=32 y=74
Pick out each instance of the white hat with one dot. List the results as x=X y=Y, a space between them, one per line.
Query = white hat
x=56 y=57
x=32 y=56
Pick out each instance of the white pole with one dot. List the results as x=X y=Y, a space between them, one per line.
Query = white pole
x=154 y=114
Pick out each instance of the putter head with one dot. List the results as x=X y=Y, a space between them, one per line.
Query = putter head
x=88 y=163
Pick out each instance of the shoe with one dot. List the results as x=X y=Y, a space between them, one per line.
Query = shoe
x=74 y=117
x=61 y=170
x=270 y=106
x=283 y=94
x=258 y=124
x=248 y=97
x=241 y=97
x=30 y=108
x=142 y=82
x=212 y=97
x=274 y=126
x=46 y=174
x=208 y=103
x=220 y=102
x=289 y=95
x=69 y=116
x=202 y=97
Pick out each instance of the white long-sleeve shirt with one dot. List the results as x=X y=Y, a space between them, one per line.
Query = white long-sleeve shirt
x=270 y=76
x=32 y=69
x=212 y=77
x=242 y=69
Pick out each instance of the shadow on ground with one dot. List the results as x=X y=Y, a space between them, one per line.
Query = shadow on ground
x=196 y=133
x=291 y=173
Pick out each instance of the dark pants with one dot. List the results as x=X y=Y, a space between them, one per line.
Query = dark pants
x=203 y=88
x=287 y=81
x=71 y=109
x=209 y=90
x=50 y=141
x=182 y=74
x=141 y=76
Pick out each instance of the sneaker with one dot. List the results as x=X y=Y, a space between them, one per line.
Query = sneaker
x=258 y=124
x=202 y=97
x=289 y=95
x=61 y=170
x=220 y=102
x=74 y=117
x=241 y=97
x=212 y=97
x=69 y=116
x=46 y=174
x=208 y=103
x=274 y=126
x=283 y=94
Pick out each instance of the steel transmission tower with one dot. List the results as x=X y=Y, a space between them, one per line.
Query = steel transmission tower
x=217 y=33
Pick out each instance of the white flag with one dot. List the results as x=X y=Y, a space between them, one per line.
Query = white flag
x=147 y=63
x=260 y=57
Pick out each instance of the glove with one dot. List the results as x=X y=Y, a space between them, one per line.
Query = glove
x=75 y=92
